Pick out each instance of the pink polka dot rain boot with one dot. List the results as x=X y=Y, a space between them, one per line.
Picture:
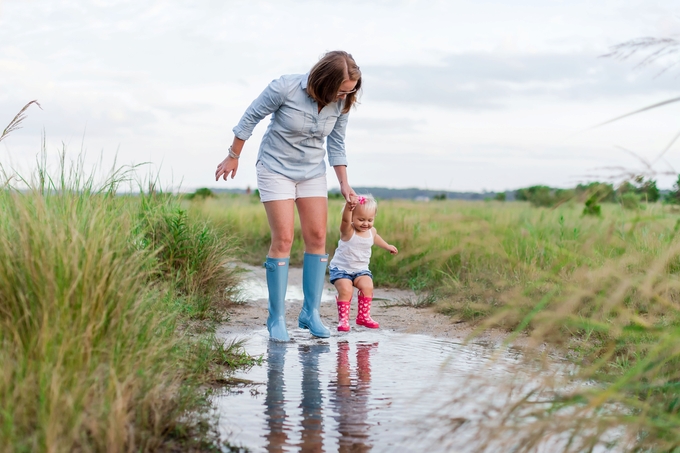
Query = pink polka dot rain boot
x=364 y=315
x=343 y=315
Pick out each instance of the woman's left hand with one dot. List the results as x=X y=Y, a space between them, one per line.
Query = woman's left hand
x=350 y=196
x=347 y=192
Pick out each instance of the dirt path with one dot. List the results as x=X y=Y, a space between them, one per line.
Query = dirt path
x=393 y=308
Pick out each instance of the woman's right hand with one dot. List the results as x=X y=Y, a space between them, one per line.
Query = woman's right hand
x=225 y=168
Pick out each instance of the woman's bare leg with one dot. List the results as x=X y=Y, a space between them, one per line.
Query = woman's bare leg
x=281 y=217
x=313 y=213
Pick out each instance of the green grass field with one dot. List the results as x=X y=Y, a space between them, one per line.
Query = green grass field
x=603 y=289
x=107 y=304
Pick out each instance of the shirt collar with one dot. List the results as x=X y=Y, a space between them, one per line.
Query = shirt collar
x=303 y=82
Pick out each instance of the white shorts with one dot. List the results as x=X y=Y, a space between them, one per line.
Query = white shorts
x=273 y=186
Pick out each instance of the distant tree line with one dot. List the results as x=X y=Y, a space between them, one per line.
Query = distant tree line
x=630 y=194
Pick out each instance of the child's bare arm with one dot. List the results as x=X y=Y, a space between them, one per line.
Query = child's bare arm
x=346 y=229
x=380 y=242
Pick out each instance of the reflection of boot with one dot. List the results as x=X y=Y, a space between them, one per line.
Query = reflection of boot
x=342 y=400
x=343 y=315
x=313 y=274
x=275 y=410
x=312 y=398
x=364 y=361
x=364 y=315
x=351 y=400
x=344 y=379
x=277 y=281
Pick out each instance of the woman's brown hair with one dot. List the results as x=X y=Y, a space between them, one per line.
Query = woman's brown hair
x=328 y=74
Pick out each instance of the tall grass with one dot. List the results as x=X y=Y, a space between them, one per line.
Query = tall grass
x=604 y=289
x=95 y=292
x=190 y=255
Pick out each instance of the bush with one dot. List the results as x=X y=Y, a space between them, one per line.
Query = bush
x=645 y=190
x=673 y=197
x=193 y=256
x=201 y=194
x=604 y=192
x=649 y=191
x=544 y=196
x=630 y=200
x=592 y=206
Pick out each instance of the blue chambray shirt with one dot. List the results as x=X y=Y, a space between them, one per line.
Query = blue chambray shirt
x=293 y=143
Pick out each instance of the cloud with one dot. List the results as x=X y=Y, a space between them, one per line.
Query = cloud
x=387 y=125
x=490 y=81
x=166 y=80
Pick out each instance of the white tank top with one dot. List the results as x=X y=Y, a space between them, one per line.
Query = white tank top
x=353 y=255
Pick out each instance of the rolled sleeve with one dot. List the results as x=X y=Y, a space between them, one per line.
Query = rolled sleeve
x=266 y=103
x=335 y=142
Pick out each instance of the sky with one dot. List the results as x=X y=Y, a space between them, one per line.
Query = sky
x=482 y=95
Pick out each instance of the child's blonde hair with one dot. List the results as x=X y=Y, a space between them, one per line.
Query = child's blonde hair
x=367 y=201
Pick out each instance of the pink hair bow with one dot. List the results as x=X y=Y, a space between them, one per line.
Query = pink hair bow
x=361 y=200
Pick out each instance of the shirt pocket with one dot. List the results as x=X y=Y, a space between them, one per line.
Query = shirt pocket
x=292 y=120
x=329 y=125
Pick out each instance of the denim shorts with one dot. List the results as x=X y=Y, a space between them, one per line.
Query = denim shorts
x=337 y=274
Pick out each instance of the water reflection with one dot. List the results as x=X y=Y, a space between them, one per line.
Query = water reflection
x=312 y=398
x=275 y=410
x=350 y=400
x=365 y=391
x=350 y=393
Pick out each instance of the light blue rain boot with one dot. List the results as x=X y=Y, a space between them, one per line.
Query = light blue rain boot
x=313 y=274
x=277 y=281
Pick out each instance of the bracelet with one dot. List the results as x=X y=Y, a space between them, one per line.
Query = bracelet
x=232 y=154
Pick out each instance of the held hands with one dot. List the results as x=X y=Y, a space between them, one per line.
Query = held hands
x=352 y=202
x=350 y=196
x=226 y=167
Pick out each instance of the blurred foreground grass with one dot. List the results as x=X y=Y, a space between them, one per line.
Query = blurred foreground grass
x=604 y=289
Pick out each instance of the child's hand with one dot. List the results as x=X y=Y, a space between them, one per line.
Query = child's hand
x=392 y=249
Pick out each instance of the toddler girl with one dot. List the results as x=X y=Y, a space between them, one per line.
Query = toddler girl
x=349 y=266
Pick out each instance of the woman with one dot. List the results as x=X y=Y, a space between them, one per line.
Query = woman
x=305 y=109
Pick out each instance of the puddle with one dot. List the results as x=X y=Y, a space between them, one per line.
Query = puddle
x=379 y=390
x=252 y=289
x=364 y=391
